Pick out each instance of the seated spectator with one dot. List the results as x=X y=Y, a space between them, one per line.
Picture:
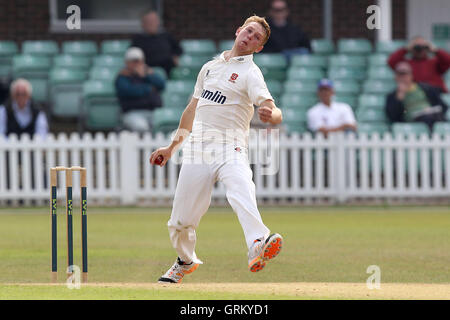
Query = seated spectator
x=285 y=37
x=413 y=101
x=328 y=115
x=20 y=114
x=160 y=48
x=426 y=68
x=137 y=88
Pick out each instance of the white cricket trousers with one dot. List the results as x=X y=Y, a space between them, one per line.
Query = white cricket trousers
x=193 y=197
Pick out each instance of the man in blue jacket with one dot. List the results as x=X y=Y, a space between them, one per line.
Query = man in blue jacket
x=138 y=88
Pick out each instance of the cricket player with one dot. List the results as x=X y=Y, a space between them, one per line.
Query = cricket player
x=218 y=118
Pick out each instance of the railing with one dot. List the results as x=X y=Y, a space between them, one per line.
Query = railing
x=337 y=169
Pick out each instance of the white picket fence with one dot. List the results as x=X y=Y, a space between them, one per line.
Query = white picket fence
x=338 y=169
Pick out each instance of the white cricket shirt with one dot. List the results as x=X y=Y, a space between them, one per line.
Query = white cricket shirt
x=227 y=91
x=330 y=117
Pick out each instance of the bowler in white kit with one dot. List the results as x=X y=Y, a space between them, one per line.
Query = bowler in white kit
x=217 y=121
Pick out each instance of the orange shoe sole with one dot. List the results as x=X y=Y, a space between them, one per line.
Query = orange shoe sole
x=270 y=251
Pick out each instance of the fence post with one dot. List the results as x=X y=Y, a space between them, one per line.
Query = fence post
x=340 y=167
x=128 y=167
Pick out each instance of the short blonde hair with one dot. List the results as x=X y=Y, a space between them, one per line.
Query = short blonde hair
x=21 y=82
x=262 y=21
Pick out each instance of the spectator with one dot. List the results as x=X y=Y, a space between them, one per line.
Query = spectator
x=425 y=68
x=328 y=115
x=20 y=114
x=137 y=88
x=413 y=101
x=285 y=37
x=160 y=48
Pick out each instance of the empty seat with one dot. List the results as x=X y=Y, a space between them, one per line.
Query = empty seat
x=180 y=86
x=275 y=87
x=309 y=61
x=367 y=100
x=40 y=47
x=115 y=47
x=371 y=115
x=446 y=98
x=416 y=128
x=372 y=127
x=192 y=61
x=80 y=48
x=295 y=100
x=103 y=73
x=300 y=87
x=66 y=87
x=354 y=46
x=349 y=99
x=375 y=86
x=441 y=44
x=71 y=62
x=303 y=73
x=270 y=60
x=345 y=60
x=346 y=73
x=108 y=61
x=322 y=46
x=7 y=50
x=202 y=47
x=442 y=128
x=184 y=73
x=166 y=120
x=225 y=45
x=387 y=47
x=378 y=59
x=177 y=101
x=380 y=73
x=346 y=87
x=101 y=110
x=294 y=119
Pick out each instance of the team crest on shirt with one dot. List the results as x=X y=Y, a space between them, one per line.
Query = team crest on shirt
x=233 y=77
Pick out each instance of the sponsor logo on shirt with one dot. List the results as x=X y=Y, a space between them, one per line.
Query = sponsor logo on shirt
x=233 y=77
x=215 y=97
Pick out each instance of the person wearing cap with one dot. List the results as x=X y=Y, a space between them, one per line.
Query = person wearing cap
x=328 y=115
x=137 y=88
x=428 y=63
x=412 y=101
x=161 y=49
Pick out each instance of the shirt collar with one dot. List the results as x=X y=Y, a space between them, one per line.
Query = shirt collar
x=245 y=58
x=24 y=110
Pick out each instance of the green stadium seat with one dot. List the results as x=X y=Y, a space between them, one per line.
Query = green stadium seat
x=65 y=92
x=378 y=60
x=71 y=62
x=375 y=86
x=442 y=128
x=35 y=69
x=345 y=60
x=198 y=47
x=346 y=73
x=115 y=47
x=225 y=45
x=447 y=76
x=294 y=119
x=40 y=47
x=103 y=74
x=441 y=44
x=295 y=100
x=309 y=61
x=346 y=87
x=80 y=48
x=160 y=71
x=349 y=99
x=300 y=87
x=275 y=87
x=446 y=98
x=322 y=46
x=177 y=101
x=366 y=100
x=416 y=128
x=180 y=86
x=273 y=74
x=192 y=61
x=371 y=115
x=380 y=73
x=101 y=110
x=372 y=127
x=302 y=73
x=184 y=73
x=354 y=46
x=447 y=115
x=270 y=60
x=166 y=120
x=108 y=61
x=7 y=50
x=387 y=47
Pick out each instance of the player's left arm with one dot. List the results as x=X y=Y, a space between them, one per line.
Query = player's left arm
x=268 y=112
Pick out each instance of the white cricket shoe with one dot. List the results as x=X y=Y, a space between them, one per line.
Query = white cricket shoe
x=262 y=251
x=176 y=273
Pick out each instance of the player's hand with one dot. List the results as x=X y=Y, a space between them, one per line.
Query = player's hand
x=265 y=114
x=165 y=152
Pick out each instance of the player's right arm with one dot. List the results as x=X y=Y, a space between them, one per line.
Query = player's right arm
x=183 y=131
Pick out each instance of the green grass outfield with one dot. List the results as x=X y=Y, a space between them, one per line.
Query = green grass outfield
x=129 y=249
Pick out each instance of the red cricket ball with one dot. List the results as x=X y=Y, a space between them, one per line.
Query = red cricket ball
x=159 y=160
